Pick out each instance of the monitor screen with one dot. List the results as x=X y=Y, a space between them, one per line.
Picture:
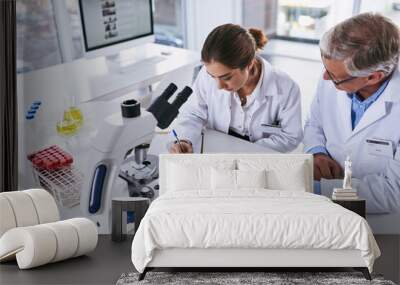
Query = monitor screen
x=108 y=22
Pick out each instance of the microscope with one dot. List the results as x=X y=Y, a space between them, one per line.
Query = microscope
x=119 y=149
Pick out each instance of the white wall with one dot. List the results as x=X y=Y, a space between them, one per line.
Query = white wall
x=203 y=16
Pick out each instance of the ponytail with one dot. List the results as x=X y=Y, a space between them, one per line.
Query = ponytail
x=259 y=37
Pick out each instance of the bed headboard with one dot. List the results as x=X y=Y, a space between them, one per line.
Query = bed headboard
x=210 y=159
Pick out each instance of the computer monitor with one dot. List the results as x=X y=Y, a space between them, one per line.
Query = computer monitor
x=110 y=26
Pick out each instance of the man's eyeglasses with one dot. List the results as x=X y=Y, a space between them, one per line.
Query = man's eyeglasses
x=338 y=82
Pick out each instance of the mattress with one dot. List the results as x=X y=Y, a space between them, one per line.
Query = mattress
x=251 y=219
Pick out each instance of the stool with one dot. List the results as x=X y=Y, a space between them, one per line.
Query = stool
x=121 y=205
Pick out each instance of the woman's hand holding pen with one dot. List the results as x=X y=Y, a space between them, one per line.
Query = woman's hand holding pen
x=183 y=147
x=180 y=146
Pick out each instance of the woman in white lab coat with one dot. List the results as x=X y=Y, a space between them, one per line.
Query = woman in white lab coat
x=356 y=111
x=239 y=93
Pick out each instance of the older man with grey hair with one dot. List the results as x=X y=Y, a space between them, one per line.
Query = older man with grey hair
x=356 y=111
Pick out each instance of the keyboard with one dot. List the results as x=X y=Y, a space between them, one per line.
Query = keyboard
x=140 y=64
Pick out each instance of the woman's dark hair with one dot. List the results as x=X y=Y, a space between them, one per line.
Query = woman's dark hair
x=232 y=45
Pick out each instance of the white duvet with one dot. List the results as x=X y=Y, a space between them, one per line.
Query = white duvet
x=250 y=219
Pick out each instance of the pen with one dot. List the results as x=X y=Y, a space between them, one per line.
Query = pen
x=268 y=125
x=177 y=139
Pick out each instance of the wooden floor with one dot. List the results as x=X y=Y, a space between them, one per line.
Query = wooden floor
x=111 y=259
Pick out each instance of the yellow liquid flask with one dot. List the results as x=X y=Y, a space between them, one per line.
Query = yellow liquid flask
x=66 y=128
x=72 y=119
x=74 y=114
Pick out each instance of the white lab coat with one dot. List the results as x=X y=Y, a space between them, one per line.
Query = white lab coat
x=376 y=177
x=278 y=103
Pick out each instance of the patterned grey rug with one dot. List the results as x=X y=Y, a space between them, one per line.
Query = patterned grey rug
x=243 y=278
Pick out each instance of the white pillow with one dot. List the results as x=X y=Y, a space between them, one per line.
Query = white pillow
x=193 y=175
x=182 y=177
x=228 y=179
x=292 y=179
x=282 y=174
x=223 y=179
x=251 y=178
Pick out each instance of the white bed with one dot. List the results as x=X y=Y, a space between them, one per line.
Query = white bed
x=214 y=223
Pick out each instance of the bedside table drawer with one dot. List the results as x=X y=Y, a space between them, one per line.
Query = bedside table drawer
x=357 y=206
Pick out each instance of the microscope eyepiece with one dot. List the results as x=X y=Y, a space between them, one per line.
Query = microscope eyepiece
x=182 y=97
x=166 y=112
x=161 y=100
x=169 y=91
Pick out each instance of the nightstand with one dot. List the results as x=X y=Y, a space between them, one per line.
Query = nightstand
x=357 y=206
